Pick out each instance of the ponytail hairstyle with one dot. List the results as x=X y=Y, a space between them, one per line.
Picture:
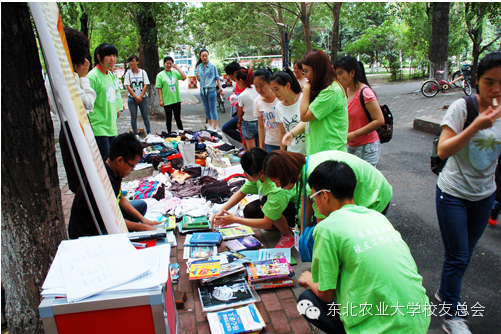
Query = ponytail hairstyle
x=247 y=75
x=323 y=75
x=199 y=61
x=252 y=161
x=287 y=77
x=349 y=64
x=264 y=74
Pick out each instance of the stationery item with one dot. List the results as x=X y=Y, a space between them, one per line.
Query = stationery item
x=206 y=238
x=204 y=269
x=244 y=243
x=218 y=297
x=140 y=236
x=236 y=232
x=243 y=319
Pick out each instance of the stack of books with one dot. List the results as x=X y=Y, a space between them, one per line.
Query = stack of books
x=232 y=263
x=204 y=269
x=194 y=224
x=268 y=274
x=197 y=251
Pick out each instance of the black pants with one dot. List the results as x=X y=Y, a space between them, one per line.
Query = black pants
x=176 y=107
x=69 y=166
x=253 y=210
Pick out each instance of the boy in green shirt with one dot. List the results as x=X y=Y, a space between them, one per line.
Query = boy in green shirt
x=363 y=277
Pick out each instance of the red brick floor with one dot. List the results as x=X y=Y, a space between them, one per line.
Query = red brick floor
x=277 y=306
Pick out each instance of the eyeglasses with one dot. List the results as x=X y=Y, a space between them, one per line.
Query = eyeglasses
x=131 y=166
x=312 y=197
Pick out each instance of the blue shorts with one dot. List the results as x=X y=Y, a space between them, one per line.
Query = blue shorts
x=249 y=129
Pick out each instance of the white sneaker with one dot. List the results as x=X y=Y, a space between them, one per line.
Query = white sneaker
x=455 y=325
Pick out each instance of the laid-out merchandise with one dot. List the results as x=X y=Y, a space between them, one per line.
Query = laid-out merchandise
x=243 y=319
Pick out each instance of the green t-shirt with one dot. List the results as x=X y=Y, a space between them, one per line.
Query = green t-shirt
x=329 y=130
x=168 y=82
x=104 y=117
x=118 y=101
x=358 y=253
x=277 y=200
x=372 y=191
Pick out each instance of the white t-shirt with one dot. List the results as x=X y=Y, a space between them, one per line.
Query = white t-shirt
x=246 y=100
x=267 y=111
x=290 y=117
x=136 y=81
x=469 y=174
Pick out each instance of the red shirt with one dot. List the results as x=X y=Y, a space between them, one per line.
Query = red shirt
x=358 y=119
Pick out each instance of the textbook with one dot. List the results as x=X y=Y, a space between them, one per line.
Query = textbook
x=189 y=222
x=243 y=319
x=199 y=252
x=204 y=269
x=206 y=238
x=268 y=270
x=244 y=243
x=219 y=297
x=275 y=253
x=236 y=232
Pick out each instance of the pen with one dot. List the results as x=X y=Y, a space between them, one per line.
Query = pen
x=139 y=244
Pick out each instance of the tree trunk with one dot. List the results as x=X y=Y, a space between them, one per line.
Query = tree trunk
x=84 y=22
x=148 y=46
x=32 y=214
x=336 y=9
x=439 y=40
x=304 y=16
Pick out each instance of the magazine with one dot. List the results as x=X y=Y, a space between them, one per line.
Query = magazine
x=219 y=297
x=238 y=320
x=244 y=243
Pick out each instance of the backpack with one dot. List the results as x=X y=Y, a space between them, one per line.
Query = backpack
x=437 y=164
x=385 y=131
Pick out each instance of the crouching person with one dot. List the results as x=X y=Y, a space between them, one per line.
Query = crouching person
x=363 y=277
x=125 y=151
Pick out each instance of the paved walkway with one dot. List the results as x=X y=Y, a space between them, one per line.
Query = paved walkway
x=278 y=306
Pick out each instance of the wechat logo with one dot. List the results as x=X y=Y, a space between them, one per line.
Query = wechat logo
x=306 y=308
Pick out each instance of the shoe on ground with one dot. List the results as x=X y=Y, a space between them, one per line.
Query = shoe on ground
x=285 y=242
x=493 y=222
x=455 y=325
x=438 y=295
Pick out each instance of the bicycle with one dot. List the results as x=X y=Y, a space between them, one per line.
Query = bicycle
x=430 y=88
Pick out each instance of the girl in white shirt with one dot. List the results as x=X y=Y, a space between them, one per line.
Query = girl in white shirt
x=247 y=122
x=264 y=110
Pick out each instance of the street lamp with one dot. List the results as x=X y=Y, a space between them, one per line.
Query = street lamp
x=286 y=46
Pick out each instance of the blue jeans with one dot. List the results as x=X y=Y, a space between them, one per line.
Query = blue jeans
x=103 y=143
x=210 y=104
x=230 y=129
x=328 y=321
x=268 y=148
x=140 y=206
x=462 y=223
x=144 y=113
x=368 y=152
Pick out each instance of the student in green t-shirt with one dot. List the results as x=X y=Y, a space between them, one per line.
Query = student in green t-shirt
x=168 y=91
x=323 y=106
x=273 y=208
x=103 y=119
x=363 y=278
x=289 y=170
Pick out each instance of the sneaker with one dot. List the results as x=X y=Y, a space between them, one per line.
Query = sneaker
x=285 y=242
x=438 y=295
x=455 y=325
x=493 y=222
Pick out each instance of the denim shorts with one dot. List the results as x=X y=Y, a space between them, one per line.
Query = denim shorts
x=368 y=152
x=249 y=129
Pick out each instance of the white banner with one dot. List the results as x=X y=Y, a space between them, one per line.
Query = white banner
x=53 y=42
